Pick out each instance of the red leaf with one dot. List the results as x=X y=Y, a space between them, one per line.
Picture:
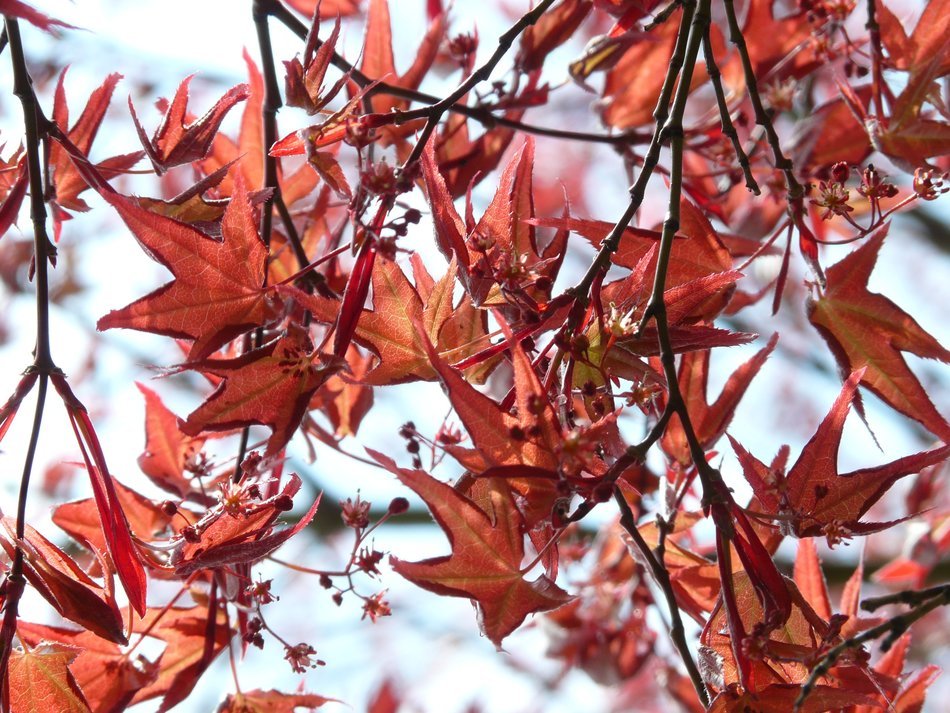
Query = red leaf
x=176 y=142
x=813 y=498
x=486 y=560
x=67 y=181
x=709 y=421
x=390 y=331
x=328 y=8
x=115 y=527
x=61 y=582
x=241 y=535
x=193 y=641
x=270 y=386
x=39 y=680
x=108 y=676
x=217 y=293
x=80 y=518
x=357 y=288
x=271 y=702
x=15 y=8
x=167 y=449
x=867 y=331
x=810 y=579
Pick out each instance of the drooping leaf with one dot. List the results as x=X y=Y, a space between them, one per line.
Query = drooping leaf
x=218 y=291
x=71 y=592
x=486 y=560
x=867 y=331
x=813 y=498
x=115 y=526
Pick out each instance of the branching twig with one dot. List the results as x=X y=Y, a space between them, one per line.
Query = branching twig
x=482 y=115
x=728 y=128
x=892 y=630
x=43 y=365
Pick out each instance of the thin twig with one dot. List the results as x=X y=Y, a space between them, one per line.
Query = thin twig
x=433 y=113
x=482 y=115
x=893 y=629
x=662 y=578
x=877 y=77
x=728 y=128
x=43 y=365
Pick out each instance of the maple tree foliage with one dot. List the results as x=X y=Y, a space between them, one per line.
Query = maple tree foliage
x=382 y=229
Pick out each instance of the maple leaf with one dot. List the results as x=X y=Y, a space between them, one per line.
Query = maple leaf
x=271 y=702
x=167 y=449
x=67 y=181
x=193 y=640
x=175 y=142
x=552 y=30
x=108 y=677
x=697 y=252
x=867 y=331
x=501 y=251
x=813 y=498
x=390 y=331
x=271 y=386
x=487 y=553
x=709 y=421
x=231 y=535
x=38 y=679
x=304 y=80
x=218 y=292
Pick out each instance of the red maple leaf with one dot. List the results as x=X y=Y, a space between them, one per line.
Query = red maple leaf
x=68 y=183
x=487 y=553
x=176 y=142
x=867 y=331
x=813 y=498
x=108 y=676
x=272 y=702
x=218 y=292
x=270 y=386
x=167 y=449
x=71 y=592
